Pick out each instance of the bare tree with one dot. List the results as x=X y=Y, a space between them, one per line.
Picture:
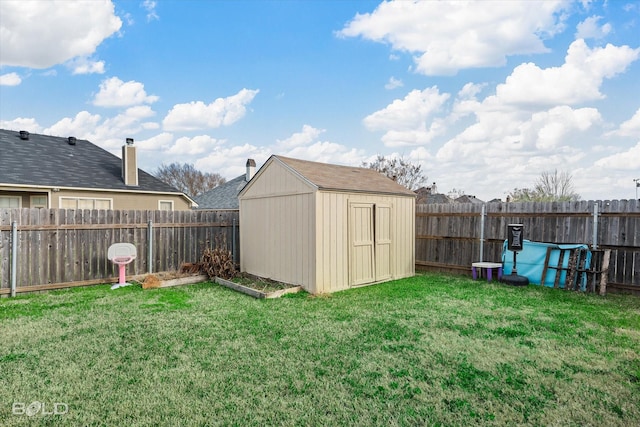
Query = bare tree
x=400 y=170
x=550 y=187
x=186 y=178
x=455 y=193
x=521 y=195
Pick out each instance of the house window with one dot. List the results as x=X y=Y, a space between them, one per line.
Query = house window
x=103 y=204
x=165 y=205
x=68 y=203
x=10 y=202
x=85 y=203
x=39 y=202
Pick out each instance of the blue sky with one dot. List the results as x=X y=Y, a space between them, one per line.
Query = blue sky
x=484 y=95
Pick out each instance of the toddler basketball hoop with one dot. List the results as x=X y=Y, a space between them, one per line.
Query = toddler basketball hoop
x=121 y=254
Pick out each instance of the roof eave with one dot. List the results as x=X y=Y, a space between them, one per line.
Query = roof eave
x=346 y=190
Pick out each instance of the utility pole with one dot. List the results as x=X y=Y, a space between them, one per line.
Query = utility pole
x=637 y=181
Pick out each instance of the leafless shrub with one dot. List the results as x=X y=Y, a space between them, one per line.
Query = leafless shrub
x=218 y=261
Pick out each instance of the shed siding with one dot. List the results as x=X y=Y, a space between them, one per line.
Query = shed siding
x=276 y=227
x=276 y=238
x=275 y=180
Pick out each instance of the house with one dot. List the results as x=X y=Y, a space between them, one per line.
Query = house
x=41 y=171
x=429 y=195
x=225 y=196
x=326 y=227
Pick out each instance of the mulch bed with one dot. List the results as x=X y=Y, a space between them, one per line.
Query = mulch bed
x=260 y=283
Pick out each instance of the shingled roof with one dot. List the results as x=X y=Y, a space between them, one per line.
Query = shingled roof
x=344 y=178
x=51 y=161
x=224 y=196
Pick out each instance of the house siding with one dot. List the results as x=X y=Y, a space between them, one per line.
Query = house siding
x=121 y=201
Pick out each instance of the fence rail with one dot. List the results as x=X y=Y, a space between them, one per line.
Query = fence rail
x=448 y=236
x=61 y=248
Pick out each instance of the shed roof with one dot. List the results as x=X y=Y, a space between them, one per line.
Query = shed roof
x=327 y=176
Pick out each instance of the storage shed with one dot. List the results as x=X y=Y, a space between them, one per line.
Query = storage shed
x=325 y=227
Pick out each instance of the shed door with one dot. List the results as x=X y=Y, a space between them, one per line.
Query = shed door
x=370 y=252
x=382 y=237
x=361 y=266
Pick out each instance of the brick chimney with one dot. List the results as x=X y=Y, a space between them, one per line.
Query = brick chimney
x=251 y=169
x=129 y=164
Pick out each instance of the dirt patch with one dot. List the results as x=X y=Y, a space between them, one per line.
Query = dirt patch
x=168 y=278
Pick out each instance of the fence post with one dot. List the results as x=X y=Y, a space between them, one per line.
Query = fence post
x=594 y=243
x=150 y=247
x=14 y=257
x=482 y=216
x=233 y=241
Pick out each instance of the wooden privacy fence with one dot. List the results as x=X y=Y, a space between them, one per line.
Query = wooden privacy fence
x=58 y=248
x=449 y=237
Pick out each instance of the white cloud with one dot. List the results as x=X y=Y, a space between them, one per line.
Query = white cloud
x=116 y=93
x=128 y=19
x=327 y=152
x=160 y=142
x=10 y=79
x=150 y=7
x=577 y=80
x=123 y=125
x=305 y=137
x=470 y=90
x=109 y=133
x=589 y=29
x=140 y=112
x=21 y=123
x=515 y=138
x=630 y=127
x=466 y=102
x=405 y=120
x=307 y=145
x=393 y=83
x=84 y=65
x=548 y=130
x=83 y=125
x=448 y=36
x=626 y=160
x=230 y=162
x=209 y=154
x=198 y=115
x=186 y=146
x=40 y=34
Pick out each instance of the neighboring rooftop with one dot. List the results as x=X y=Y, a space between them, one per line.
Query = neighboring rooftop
x=468 y=199
x=224 y=196
x=52 y=161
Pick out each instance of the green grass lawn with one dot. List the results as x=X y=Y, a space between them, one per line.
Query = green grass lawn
x=430 y=350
